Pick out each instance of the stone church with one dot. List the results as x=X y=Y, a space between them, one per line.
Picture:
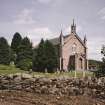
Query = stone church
x=72 y=50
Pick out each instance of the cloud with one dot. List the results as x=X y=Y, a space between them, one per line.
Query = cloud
x=102 y=13
x=94 y=44
x=40 y=32
x=24 y=17
x=94 y=50
x=44 y=1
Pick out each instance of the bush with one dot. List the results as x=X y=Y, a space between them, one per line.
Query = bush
x=100 y=73
x=24 y=64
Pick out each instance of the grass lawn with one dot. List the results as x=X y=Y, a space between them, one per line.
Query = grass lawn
x=77 y=74
x=5 y=70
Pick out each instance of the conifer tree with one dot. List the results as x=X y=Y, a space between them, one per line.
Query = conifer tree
x=16 y=42
x=4 y=51
x=24 y=54
x=45 y=57
x=51 y=56
x=39 y=57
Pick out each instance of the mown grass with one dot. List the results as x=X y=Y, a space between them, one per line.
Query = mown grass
x=77 y=74
x=11 y=69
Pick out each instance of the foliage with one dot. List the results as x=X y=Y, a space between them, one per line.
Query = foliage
x=51 y=56
x=25 y=64
x=4 y=51
x=71 y=68
x=103 y=59
x=101 y=71
x=45 y=57
x=16 y=42
x=39 y=57
x=95 y=62
x=24 y=54
x=12 y=55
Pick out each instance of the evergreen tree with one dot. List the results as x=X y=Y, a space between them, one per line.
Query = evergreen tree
x=24 y=54
x=39 y=57
x=45 y=57
x=16 y=42
x=51 y=56
x=4 y=51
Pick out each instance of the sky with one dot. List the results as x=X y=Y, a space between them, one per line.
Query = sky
x=38 y=19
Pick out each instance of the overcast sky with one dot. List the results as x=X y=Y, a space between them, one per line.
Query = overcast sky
x=44 y=19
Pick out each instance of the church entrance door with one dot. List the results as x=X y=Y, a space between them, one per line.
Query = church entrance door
x=71 y=65
x=80 y=64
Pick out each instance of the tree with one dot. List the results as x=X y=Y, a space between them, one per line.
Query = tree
x=24 y=54
x=51 y=56
x=45 y=57
x=101 y=71
x=25 y=64
x=103 y=59
x=4 y=51
x=103 y=53
x=39 y=57
x=16 y=42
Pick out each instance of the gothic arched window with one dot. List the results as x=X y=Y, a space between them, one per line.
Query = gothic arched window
x=74 y=47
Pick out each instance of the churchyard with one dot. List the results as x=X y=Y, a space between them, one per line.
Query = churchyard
x=12 y=70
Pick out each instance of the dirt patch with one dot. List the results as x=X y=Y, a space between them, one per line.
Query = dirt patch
x=27 y=98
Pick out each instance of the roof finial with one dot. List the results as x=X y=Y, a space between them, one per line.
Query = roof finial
x=73 y=21
x=73 y=27
x=61 y=32
x=85 y=38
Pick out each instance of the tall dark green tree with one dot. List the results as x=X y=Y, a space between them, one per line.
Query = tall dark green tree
x=51 y=56
x=4 y=51
x=45 y=57
x=24 y=54
x=16 y=42
x=39 y=57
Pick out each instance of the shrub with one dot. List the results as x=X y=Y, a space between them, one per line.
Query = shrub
x=25 y=64
x=100 y=73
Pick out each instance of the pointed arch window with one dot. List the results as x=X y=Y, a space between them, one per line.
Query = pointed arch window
x=74 y=48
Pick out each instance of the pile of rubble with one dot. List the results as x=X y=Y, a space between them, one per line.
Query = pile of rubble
x=59 y=86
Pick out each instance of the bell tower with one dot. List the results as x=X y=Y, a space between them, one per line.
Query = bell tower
x=73 y=27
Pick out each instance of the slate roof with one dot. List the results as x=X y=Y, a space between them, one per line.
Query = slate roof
x=56 y=41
